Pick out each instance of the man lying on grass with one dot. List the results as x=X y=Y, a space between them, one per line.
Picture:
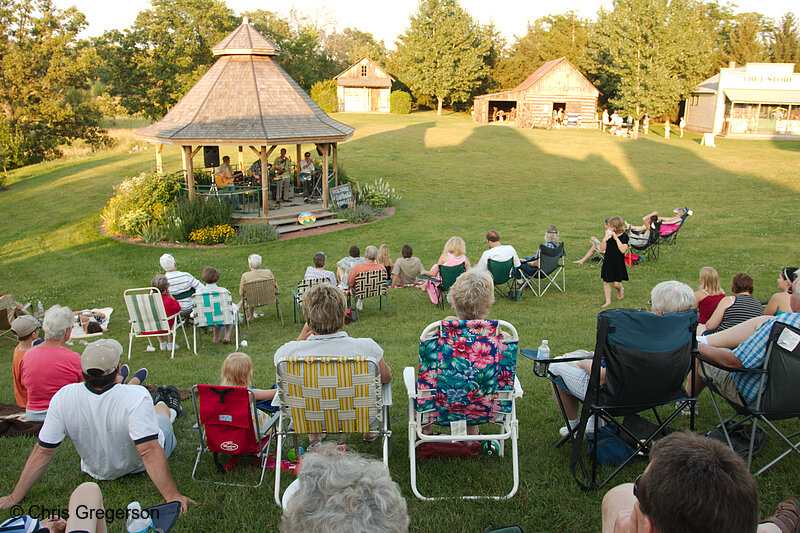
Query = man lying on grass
x=115 y=428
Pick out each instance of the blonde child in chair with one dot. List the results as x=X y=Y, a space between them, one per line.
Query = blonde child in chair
x=237 y=371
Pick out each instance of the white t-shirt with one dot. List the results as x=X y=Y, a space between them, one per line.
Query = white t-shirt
x=104 y=427
x=504 y=252
x=334 y=344
x=212 y=287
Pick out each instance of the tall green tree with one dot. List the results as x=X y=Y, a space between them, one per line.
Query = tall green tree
x=44 y=91
x=548 y=38
x=442 y=53
x=152 y=64
x=648 y=54
x=350 y=45
x=746 y=42
x=785 y=41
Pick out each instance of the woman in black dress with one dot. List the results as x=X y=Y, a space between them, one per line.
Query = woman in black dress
x=614 y=245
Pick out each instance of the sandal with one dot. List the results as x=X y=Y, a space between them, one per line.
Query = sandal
x=372 y=436
x=786 y=516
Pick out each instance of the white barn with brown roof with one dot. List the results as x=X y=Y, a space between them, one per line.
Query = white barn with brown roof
x=246 y=99
x=364 y=88
x=555 y=85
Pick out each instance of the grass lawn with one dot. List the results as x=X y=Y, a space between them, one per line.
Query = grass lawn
x=456 y=178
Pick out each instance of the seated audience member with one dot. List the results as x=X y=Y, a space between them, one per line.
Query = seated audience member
x=666 y=297
x=237 y=371
x=594 y=248
x=181 y=284
x=317 y=271
x=91 y=321
x=670 y=224
x=708 y=296
x=13 y=307
x=385 y=259
x=454 y=254
x=640 y=235
x=256 y=273
x=171 y=307
x=530 y=264
x=210 y=276
x=324 y=308
x=693 y=484
x=344 y=265
x=779 y=303
x=26 y=328
x=406 y=268
x=371 y=264
x=742 y=346
x=342 y=491
x=498 y=252
x=114 y=428
x=732 y=310
x=49 y=366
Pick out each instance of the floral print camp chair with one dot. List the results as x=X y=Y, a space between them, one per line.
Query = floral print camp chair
x=467 y=376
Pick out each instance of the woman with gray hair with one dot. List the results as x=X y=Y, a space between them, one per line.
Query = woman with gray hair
x=530 y=264
x=472 y=295
x=49 y=366
x=342 y=492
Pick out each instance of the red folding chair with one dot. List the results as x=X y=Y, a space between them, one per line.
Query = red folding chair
x=228 y=425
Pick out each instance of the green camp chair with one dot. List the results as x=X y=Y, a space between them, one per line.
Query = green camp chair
x=501 y=274
x=447 y=276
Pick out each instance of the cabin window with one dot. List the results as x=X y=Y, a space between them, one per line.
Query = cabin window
x=695 y=100
x=363 y=70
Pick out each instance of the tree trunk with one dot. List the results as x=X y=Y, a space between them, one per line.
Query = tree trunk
x=439 y=106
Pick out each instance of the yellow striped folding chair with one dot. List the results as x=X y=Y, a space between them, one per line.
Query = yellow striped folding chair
x=210 y=309
x=148 y=317
x=330 y=395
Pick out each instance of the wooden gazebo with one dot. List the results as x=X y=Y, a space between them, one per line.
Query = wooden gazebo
x=246 y=99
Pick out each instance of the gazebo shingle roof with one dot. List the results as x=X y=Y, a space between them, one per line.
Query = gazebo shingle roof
x=245 y=98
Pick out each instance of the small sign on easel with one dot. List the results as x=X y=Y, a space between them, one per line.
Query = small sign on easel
x=342 y=196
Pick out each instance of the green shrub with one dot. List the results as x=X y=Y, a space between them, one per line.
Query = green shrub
x=139 y=201
x=202 y=177
x=378 y=194
x=359 y=214
x=190 y=215
x=253 y=234
x=400 y=102
x=153 y=232
x=324 y=94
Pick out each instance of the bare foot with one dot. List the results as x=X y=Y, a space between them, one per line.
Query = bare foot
x=605 y=305
x=621 y=293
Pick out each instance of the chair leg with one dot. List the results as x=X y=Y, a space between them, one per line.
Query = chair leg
x=194 y=338
x=387 y=304
x=278 y=470
x=280 y=311
x=130 y=344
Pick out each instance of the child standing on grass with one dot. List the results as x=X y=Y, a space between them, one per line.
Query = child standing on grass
x=614 y=245
x=237 y=371
x=666 y=129
x=210 y=277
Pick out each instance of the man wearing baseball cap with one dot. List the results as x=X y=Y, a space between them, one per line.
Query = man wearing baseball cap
x=115 y=428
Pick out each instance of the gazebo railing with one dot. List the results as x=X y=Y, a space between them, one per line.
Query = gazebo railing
x=246 y=199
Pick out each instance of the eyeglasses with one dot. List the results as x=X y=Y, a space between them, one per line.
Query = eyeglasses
x=636 y=485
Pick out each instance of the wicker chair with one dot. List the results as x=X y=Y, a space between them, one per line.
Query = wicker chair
x=260 y=293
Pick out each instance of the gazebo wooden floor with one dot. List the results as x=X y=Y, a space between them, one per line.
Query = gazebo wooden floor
x=285 y=218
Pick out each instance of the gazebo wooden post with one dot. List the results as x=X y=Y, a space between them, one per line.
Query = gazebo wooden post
x=325 y=174
x=336 y=163
x=189 y=160
x=297 y=166
x=262 y=156
x=159 y=162
x=241 y=159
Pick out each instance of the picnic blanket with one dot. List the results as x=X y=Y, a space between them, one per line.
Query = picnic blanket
x=77 y=330
x=14 y=424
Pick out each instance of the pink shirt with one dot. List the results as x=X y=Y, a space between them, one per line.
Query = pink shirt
x=45 y=370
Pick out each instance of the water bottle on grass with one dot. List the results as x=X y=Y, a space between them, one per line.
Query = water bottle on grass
x=539 y=366
x=139 y=521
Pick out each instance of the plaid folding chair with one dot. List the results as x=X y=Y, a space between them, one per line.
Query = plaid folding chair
x=148 y=317
x=297 y=295
x=467 y=376
x=368 y=284
x=213 y=309
x=260 y=293
x=330 y=395
x=229 y=425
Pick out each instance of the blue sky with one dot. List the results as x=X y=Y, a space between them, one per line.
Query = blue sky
x=386 y=20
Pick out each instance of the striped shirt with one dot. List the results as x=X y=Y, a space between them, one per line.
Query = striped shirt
x=744 y=307
x=180 y=282
x=752 y=352
x=315 y=273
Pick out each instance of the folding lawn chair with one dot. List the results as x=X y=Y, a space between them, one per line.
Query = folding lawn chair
x=647 y=357
x=501 y=272
x=7 y=310
x=297 y=295
x=649 y=249
x=368 y=284
x=260 y=293
x=447 y=276
x=779 y=382
x=148 y=317
x=331 y=395
x=228 y=425
x=210 y=309
x=466 y=377
x=669 y=232
x=551 y=264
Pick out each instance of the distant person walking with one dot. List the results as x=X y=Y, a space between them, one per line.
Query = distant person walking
x=646 y=124
x=681 y=125
x=666 y=129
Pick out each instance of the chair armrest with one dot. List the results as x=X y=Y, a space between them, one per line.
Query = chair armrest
x=429 y=278
x=532 y=355
x=386 y=393
x=410 y=379
x=518 y=392
x=731 y=368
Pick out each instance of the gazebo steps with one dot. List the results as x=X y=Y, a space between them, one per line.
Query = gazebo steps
x=284 y=220
x=286 y=228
